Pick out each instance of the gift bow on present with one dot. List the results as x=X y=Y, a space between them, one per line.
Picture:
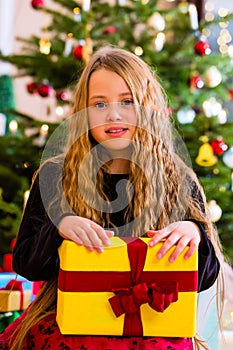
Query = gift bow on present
x=129 y=300
x=14 y=285
x=159 y=297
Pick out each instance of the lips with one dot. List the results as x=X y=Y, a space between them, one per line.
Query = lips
x=116 y=131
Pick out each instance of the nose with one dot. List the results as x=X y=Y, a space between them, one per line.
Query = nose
x=114 y=112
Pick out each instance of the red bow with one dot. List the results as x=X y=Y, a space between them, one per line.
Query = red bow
x=159 y=297
x=128 y=300
x=14 y=285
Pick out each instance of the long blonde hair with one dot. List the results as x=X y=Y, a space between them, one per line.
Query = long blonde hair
x=156 y=173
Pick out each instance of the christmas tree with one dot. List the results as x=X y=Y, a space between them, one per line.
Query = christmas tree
x=174 y=38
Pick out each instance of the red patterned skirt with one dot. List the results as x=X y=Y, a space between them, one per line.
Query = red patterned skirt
x=45 y=335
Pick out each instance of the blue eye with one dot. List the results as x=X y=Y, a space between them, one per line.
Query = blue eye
x=127 y=102
x=101 y=105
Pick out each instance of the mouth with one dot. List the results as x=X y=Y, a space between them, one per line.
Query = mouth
x=116 y=131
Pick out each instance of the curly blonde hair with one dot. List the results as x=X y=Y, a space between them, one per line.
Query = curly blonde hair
x=160 y=178
x=156 y=173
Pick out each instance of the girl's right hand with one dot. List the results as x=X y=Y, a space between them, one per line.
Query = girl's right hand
x=84 y=232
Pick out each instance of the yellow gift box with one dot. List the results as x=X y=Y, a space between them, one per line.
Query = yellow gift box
x=126 y=291
x=14 y=300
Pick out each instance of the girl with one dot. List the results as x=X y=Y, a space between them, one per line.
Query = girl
x=119 y=173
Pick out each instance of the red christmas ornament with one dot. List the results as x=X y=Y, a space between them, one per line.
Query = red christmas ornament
x=61 y=96
x=202 y=48
x=13 y=243
x=230 y=94
x=109 y=30
x=78 y=52
x=196 y=82
x=218 y=146
x=36 y=4
x=44 y=90
x=32 y=88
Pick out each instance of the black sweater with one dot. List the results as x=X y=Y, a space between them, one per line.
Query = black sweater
x=35 y=255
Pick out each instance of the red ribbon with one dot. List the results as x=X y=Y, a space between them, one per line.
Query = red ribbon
x=132 y=288
x=128 y=301
x=159 y=297
x=17 y=286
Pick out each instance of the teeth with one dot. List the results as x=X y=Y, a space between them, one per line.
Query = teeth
x=116 y=130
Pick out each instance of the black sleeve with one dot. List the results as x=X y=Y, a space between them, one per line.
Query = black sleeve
x=35 y=255
x=208 y=263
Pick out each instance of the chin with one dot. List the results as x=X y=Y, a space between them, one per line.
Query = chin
x=119 y=144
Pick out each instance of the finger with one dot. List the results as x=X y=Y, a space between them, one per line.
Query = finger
x=110 y=233
x=103 y=235
x=159 y=236
x=96 y=236
x=151 y=233
x=192 y=248
x=181 y=245
x=87 y=236
x=167 y=245
x=73 y=237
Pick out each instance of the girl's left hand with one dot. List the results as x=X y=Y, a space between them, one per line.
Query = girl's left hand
x=180 y=234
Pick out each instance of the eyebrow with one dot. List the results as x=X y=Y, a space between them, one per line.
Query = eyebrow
x=103 y=96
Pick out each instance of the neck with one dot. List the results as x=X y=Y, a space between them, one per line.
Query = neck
x=119 y=166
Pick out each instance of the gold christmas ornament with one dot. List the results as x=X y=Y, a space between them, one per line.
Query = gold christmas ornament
x=138 y=51
x=206 y=155
x=44 y=46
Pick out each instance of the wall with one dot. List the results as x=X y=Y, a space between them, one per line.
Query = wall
x=25 y=22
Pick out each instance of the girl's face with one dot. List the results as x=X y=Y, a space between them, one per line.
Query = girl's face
x=112 y=117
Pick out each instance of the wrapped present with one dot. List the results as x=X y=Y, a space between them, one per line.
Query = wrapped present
x=126 y=291
x=13 y=297
x=5 y=277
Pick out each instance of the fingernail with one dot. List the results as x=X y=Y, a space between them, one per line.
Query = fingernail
x=100 y=250
x=171 y=259
x=151 y=243
x=159 y=256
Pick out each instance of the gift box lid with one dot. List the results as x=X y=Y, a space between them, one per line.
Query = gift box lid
x=73 y=257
